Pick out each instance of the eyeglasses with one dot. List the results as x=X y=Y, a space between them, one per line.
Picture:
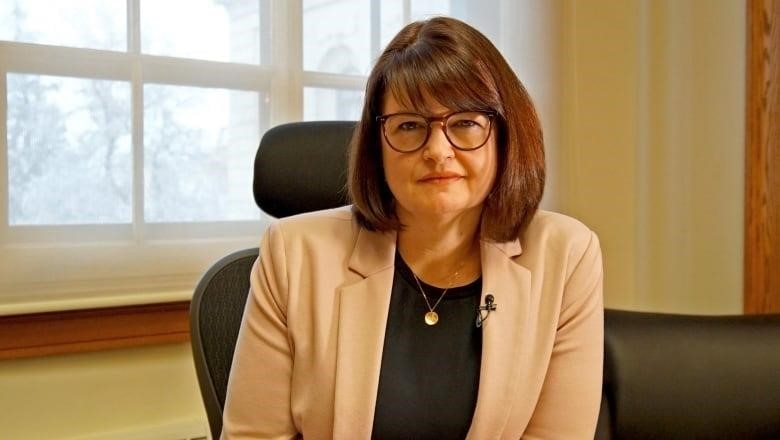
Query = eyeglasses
x=408 y=132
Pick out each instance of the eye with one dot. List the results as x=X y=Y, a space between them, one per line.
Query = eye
x=406 y=123
x=465 y=123
x=410 y=125
x=468 y=120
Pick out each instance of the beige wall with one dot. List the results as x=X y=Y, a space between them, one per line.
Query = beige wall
x=642 y=103
x=137 y=393
x=653 y=140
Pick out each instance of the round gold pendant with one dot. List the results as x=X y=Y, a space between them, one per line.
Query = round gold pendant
x=431 y=318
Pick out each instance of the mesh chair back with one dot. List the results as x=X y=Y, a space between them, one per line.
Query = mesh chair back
x=299 y=167
x=215 y=317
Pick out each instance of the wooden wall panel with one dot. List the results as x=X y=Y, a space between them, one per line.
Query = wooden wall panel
x=762 y=159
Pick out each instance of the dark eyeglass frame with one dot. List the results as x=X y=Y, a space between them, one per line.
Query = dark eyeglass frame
x=430 y=119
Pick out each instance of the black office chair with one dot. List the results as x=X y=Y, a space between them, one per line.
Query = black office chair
x=666 y=376
x=670 y=377
x=299 y=167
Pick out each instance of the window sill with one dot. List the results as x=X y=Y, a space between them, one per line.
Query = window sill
x=74 y=331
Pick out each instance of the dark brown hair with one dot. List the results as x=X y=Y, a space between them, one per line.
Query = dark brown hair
x=451 y=62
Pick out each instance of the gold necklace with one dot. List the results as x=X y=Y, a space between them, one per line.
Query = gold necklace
x=431 y=317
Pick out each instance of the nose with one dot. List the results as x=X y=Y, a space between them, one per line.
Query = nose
x=438 y=148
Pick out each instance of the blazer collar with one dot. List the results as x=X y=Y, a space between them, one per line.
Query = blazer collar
x=373 y=252
x=504 y=336
x=362 y=320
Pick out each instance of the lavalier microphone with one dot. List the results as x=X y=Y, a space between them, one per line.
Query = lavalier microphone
x=487 y=308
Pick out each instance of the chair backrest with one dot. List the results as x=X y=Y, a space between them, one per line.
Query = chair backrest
x=672 y=376
x=299 y=167
x=302 y=167
x=215 y=316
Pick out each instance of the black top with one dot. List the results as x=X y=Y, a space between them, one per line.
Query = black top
x=430 y=374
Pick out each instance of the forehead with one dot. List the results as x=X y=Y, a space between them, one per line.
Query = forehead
x=427 y=105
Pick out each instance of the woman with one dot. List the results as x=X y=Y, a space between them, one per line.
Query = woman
x=442 y=304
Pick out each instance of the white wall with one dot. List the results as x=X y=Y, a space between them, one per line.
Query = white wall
x=537 y=58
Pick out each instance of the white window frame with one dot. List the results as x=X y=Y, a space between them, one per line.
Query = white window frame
x=63 y=267
x=91 y=266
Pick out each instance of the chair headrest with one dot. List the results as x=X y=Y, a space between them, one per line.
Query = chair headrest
x=302 y=167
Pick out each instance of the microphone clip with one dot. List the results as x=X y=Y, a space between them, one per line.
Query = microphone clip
x=487 y=308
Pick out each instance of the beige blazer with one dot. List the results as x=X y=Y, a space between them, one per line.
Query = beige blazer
x=310 y=347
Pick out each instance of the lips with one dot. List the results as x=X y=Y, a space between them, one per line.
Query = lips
x=442 y=177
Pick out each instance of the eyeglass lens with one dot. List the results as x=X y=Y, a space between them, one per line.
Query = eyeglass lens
x=409 y=131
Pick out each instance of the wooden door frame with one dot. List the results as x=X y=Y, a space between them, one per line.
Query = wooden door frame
x=762 y=159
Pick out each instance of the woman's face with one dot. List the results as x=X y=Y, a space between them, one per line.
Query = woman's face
x=438 y=181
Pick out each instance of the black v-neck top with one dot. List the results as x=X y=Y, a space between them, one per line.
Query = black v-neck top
x=430 y=374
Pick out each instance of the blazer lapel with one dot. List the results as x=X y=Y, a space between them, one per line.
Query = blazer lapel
x=362 y=318
x=503 y=337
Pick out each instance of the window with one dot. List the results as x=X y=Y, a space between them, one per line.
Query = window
x=129 y=129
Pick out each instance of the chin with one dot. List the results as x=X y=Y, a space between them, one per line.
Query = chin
x=440 y=207
x=445 y=209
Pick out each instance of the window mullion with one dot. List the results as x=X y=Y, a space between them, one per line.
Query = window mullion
x=376 y=27
x=133 y=26
x=287 y=79
x=137 y=136
x=137 y=119
x=4 y=189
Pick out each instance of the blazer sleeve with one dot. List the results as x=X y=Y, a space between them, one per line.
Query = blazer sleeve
x=257 y=404
x=569 y=403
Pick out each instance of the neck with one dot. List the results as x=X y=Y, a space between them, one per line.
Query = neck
x=435 y=251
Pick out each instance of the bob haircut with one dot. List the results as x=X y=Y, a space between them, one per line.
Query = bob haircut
x=446 y=60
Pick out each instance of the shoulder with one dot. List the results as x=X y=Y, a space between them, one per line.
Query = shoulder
x=335 y=215
x=555 y=237
x=556 y=227
x=327 y=235
x=330 y=224
x=319 y=237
